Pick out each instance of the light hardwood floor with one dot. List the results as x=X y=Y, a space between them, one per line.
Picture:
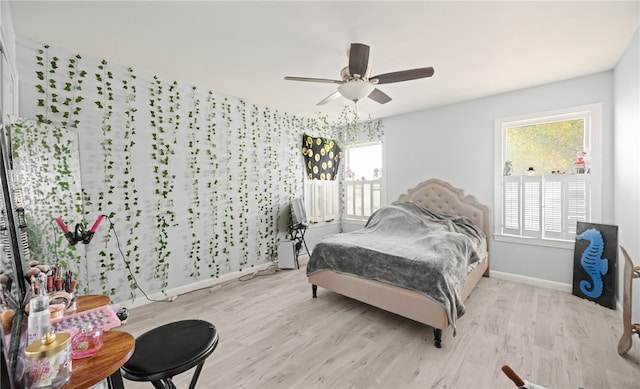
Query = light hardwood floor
x=274 y=335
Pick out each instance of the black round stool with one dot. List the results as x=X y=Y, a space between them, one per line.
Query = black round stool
x=171 y=349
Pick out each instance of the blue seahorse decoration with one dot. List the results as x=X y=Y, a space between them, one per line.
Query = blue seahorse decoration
x=593 y=263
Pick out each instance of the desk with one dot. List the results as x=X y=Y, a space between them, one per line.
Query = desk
x=117 y=349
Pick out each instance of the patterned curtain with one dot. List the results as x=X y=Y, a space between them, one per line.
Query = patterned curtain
x=322 y=157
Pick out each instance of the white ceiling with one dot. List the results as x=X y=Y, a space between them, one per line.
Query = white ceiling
x=245 y=49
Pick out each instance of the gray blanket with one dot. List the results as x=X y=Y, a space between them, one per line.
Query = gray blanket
x=407 y=246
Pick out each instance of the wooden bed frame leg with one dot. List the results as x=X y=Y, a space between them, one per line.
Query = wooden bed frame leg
x=437 y=337
x=314 y=290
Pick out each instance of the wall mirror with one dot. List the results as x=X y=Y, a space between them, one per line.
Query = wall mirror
x=10 y=266
x=45 y=175
x=40 y=174
x=11 y=262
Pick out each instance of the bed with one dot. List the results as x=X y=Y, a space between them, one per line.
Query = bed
x=431 y=197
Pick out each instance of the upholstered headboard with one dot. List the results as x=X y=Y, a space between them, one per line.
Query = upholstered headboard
x=440 y=196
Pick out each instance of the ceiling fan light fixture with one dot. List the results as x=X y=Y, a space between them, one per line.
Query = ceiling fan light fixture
x=356 y=89
x=356 y=82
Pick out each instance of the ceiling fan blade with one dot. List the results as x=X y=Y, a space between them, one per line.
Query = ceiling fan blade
x=403 y=75
x=308 y=79
x=329 y=98
x=379 y=96
x=358 y=59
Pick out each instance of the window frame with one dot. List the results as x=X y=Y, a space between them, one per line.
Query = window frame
x=592 y=113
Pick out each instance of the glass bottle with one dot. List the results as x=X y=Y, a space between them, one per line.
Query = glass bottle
x=39 y=322
x=86 y=342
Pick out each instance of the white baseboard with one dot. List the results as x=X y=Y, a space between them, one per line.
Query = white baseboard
x=172 y=295
x=533 y=281
x=541 y=283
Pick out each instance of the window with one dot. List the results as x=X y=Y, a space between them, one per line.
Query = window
x=363 y=181
x=548 y=174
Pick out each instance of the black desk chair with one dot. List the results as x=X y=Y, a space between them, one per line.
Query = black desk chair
x=298 y=228
x=169 y=350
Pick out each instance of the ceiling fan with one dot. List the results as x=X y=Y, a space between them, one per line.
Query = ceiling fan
x=356 y=83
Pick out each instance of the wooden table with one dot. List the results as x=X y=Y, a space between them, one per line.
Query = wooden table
x=116 y=350
x=90 y=301
x=105 y=364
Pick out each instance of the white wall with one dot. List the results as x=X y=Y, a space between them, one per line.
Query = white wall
x=9 y=98
x=626 y=156
x=455 y=143
x=197 y=183
x=7 y=34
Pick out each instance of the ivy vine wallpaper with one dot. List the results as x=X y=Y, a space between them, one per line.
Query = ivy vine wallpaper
x=194 y=184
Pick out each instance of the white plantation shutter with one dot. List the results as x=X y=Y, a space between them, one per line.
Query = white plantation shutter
x=531 y=201
x=553 y=219
x=545 y=206
x=312 y=200
x=357 y=201
x=331 y=201
x=349 y=193
x=321 y=200
x=511 y=204
x=578 y=202
x=567 y=200
x=361 y=198
x=376 y=196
